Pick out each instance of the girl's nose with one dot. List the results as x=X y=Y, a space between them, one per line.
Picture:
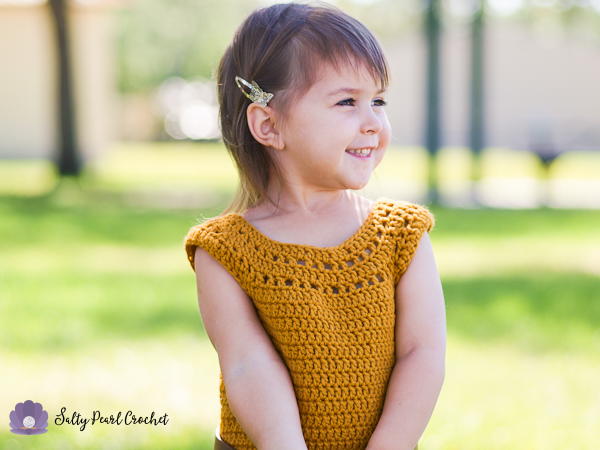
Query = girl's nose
x=371 y=123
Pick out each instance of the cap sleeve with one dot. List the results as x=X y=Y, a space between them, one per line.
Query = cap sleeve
x=412 y=221
x=212 y=235
x=196 y=237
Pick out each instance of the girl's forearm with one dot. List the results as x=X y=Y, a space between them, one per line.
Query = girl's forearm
x=261 y=396
x=413 y=390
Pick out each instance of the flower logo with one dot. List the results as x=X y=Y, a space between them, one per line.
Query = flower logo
x=28 y=418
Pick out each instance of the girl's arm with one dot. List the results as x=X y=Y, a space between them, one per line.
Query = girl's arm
x=419 y=372
x=258 y=385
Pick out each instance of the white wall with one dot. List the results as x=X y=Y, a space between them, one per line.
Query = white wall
x=529 y=76
x=28 y=91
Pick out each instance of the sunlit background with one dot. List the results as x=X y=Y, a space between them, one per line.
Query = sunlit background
x=110 y=150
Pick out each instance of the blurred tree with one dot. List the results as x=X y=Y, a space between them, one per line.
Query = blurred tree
x=158 y=39
x=432 y=113
x=387 y=19
x=575 y=16
x=477 y=112
x=67 y=157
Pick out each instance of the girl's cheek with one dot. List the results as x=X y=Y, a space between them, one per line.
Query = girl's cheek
x=386 y=132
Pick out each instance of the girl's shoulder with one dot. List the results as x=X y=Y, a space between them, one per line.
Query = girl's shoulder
x=211 y=228
x=413 y=214
x=217 y=223
x=403 y=213
x=211 y=234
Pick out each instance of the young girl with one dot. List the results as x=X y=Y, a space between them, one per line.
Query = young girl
x=325 y=308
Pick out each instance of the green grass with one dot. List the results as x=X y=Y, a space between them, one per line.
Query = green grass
x=98 y=309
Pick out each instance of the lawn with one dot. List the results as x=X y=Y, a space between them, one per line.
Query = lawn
x=99 y=312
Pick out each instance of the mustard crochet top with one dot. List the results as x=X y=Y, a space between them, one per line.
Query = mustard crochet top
x=329 y=311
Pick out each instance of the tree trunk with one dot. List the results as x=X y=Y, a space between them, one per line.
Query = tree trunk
x=432 y=113
x=67 y=155
x=477 y=115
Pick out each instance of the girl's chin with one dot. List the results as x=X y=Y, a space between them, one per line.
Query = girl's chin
x=357 y=183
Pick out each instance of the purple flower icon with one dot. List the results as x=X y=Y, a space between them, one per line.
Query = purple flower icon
x=28 y=418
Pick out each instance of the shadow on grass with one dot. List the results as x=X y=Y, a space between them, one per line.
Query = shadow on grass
x=74 y=311
x=42 y=220
x=499 y=223
x=537 y=311
x=534 y=312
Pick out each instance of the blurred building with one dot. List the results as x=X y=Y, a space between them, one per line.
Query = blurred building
x=541 y=86
x=28 y=78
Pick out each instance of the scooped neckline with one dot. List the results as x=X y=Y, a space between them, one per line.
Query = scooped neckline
x=347 y=243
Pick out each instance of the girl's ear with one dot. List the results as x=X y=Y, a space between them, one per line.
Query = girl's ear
x=262 y=124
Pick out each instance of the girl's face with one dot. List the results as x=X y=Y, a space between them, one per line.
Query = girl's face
x=341 y=111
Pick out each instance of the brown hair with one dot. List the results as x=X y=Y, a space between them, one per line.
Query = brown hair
x=282 y=47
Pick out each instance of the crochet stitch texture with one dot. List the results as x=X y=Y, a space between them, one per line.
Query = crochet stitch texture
x=329 y=311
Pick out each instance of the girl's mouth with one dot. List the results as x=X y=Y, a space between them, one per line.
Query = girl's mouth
x=361 y=153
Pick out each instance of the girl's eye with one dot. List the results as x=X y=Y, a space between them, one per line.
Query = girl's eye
x=380 y=102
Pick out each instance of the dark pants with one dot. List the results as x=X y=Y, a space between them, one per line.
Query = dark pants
x=220 y=444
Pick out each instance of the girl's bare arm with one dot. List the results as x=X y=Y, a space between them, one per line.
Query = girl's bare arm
x=259 y=389
x=418 y=376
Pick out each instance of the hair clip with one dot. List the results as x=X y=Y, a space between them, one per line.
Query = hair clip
x=256 y=93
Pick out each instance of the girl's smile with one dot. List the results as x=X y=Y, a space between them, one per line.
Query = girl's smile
x=361 y=153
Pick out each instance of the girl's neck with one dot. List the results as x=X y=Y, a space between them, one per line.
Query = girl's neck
x=315 y=204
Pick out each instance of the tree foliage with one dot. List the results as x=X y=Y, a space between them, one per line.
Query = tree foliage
x=158 y=39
